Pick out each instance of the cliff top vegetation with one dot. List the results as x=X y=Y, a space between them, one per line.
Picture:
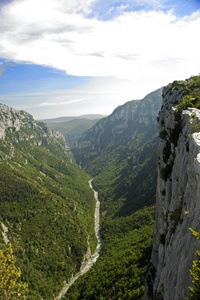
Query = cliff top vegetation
x=190 y=90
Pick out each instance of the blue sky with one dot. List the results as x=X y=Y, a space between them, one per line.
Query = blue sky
x=30 y=78
x=61 y=58
x=107 y=10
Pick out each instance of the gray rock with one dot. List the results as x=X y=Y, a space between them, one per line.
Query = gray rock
x=121 y=126
x=177 y=204
x=12 y=120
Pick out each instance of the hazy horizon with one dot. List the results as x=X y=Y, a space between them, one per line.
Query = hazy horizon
x=89 y=57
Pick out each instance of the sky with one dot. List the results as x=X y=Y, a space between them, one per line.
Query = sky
x=69 y=58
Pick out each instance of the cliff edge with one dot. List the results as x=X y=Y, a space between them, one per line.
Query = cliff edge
x=178 y=193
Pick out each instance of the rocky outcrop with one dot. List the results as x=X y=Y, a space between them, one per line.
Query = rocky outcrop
x=121 y=126
x=12 y=120
x=4 y=233
x=19 y=126
x=178 y=200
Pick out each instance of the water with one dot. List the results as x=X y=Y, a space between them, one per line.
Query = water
x=95 y=255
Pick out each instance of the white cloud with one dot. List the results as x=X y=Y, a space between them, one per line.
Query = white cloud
x=57 y=103
x=100 y=95
x=145 y=49
x=52 y=33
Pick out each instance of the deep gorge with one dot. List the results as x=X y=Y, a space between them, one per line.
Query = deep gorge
x=147 y=179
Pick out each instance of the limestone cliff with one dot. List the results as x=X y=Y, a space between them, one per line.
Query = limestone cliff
x=178 y=197
x=19 y=126
x=12 y=120
x=122 y=126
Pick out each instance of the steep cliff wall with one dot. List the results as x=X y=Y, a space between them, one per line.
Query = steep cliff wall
x=122 y=126
x=12 y=120
x=178 y=198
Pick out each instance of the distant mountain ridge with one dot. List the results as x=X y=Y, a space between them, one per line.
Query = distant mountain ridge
x=73 y=127
x=70 y=118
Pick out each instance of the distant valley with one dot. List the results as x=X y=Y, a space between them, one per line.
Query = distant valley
x=148 y=186
x=120 y=153
x=73 y=127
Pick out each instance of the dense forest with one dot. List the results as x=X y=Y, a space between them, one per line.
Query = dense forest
x=124 y=174
x=47 y=205
x=120 y=271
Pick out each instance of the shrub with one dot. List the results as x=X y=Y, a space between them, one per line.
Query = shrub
x=195 y=273
x=10 y=285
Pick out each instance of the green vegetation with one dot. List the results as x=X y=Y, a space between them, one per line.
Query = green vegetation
x=10 y=285
x=120 y=271
x=121 y=183
x=195 y=126
x=124 y=171
x=189 y=94
x=190 y=97
x=48 y=207
x=123 y=165
x=72 y=129
x=190 y=91
x=195 y=273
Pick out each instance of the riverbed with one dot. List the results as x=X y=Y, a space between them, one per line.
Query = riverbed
x=95 y=255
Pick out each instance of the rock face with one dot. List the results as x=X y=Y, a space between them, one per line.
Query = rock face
x=178 y=201
x=12 y=120
x=121 y=126
x=119 y=152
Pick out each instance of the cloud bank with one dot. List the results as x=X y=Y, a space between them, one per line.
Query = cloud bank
x=133 y=45
x=127 y=51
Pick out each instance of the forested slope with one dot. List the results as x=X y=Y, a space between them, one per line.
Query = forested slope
x=120 y=152
x=45 y=203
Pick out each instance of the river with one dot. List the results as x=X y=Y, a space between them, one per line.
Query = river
x=95 y=255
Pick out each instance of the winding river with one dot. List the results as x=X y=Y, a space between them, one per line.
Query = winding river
x=96 y=254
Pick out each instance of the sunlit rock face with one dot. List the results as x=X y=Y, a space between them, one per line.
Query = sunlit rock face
x=12 y=120
x=121 y=126
x=178 y=201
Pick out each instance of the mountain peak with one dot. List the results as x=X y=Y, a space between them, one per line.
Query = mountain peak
x=12 y=120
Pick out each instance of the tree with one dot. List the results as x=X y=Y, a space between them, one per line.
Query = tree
x=11 y=286
x=195 y=273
